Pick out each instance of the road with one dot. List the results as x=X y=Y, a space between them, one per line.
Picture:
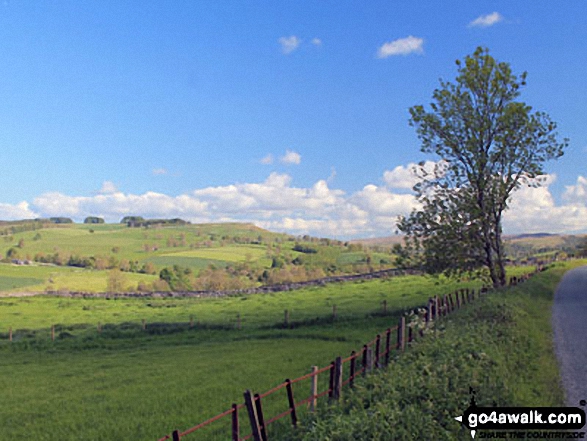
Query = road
x=569 y=322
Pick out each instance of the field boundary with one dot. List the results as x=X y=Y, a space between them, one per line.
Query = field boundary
x=376 y=354
x=392 y=272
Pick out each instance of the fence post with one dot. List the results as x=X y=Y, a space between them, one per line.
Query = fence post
x=292 y=403
x=175 y=435
x=452 y=302
x=365 y=361
x=352 y=369
x=260 y=417
x=314 y=389
x=331 y=381
x=252 y=411
x=369 y=359
x=235 y=426
x=436 y=311
x=377 y=351
x=387 y=346
x=337 y=378
x=410 y=334
x=458 y=299
x=401 y=341
x=429 y=315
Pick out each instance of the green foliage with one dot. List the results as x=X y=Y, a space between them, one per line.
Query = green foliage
x=488 y=145
x=93 y=220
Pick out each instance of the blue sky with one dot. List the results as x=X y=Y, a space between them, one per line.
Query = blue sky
x=292 y=115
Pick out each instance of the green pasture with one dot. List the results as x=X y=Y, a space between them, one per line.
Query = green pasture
x=304 y=306
x=137 y=384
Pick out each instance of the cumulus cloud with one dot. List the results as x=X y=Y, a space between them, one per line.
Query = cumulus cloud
x=401 y=46
x=316 y=41
x=159 y=171
x=289 y=44
x=291 y=157
x=108 y=187
x=17 y=211
x=278 y=204
x=534 y=210
x=485 y=21
x=267 y=160
x=405 y=177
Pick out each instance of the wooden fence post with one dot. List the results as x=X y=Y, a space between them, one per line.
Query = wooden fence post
x=369 y=359
x=458 y=299
x=377 y=351
x=452 y=302
x=352 y=369
x=292 y=403
x=401 y=339
x=314 y=389
x=260 y=417
x=175 y=435
x=387 y=346
x=436 y=310
x=331 y=381
x=365 y=360
x=252 y=411
x=235 y=425
x=337 y=378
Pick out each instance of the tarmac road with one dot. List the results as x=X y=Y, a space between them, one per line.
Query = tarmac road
x=569 y=322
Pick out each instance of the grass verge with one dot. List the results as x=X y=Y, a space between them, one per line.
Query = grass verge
x=501 y=346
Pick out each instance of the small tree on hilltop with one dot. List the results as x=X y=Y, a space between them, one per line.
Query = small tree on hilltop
x=488 y=145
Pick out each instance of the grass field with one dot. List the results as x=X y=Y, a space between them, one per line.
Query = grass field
x=131 y=384
x=101 y=247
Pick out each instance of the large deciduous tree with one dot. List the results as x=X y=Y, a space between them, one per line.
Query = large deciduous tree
x=487 y=144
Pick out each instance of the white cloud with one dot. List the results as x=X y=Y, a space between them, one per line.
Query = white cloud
x=277 y=204
x=17 y=211
x=108 y=187
x=291 y=157
x=289 y=44
x=267 y=160
x=405 y=177
x=577 y=193
x=485 y=21
x=159 y=171
x=316 y=41
x=402 y=46
x=534 y=210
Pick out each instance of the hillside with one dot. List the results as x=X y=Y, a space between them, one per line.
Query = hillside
x=44 y=256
